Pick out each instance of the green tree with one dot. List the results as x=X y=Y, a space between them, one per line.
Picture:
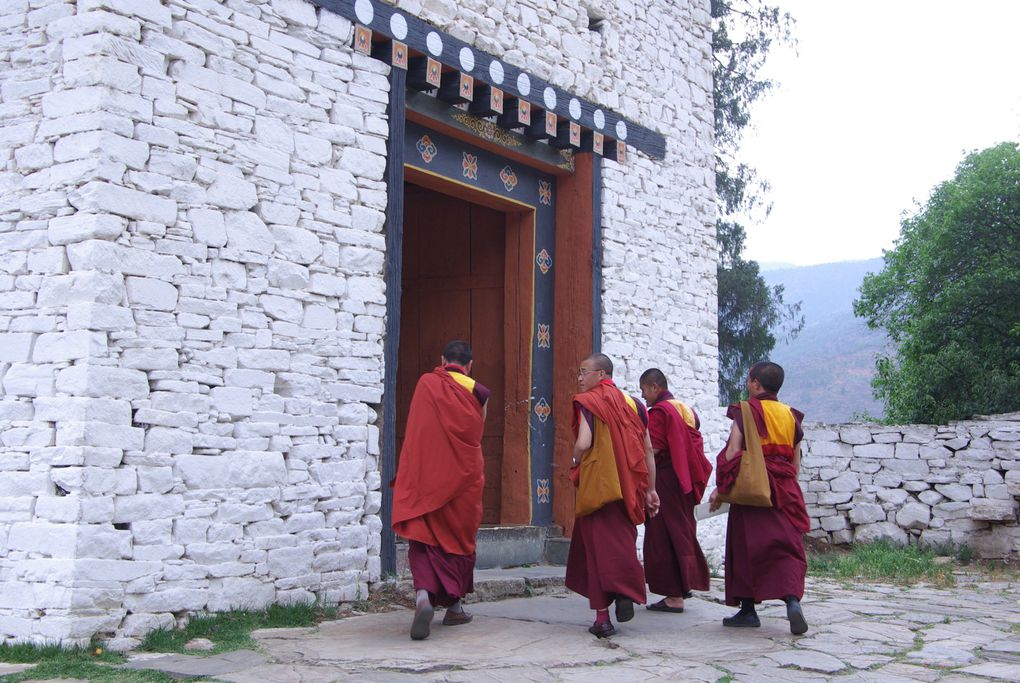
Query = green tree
x=948 y=298
x=743 y=31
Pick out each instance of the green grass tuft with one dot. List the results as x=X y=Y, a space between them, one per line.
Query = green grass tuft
x=232 y=630
x=882 y=561
x=92 y=663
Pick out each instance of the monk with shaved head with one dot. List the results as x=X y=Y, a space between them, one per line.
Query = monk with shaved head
x=765 y=557
x=437 y=493
x=614 y=473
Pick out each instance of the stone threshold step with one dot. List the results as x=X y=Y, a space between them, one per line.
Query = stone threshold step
x=493 y=584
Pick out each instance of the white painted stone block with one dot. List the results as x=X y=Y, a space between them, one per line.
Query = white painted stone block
x=247 y=232
x=150 y=359
x=112 y=411
x=993 y=510
x=282 y=308
x=29 y=379
x=55 y=347
x=230 y=192
x=94 y=144
x=62 y=290
x=103 y=381
x=208 y=226
x=296 y=244
x=239 y=469
x=147 y=506
x=91 y=316
x=913 y=516
x=117 y=258
x=235 y=401
x=151 y=293
x=16 y=347
x=100 y=197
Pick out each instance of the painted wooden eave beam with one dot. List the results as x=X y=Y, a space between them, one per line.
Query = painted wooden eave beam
x=424 y=38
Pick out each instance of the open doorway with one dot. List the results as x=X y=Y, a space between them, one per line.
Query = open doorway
x=453 y=287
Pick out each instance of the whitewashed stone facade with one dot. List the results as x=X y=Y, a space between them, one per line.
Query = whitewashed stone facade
x=192 y=305
x=938 y=485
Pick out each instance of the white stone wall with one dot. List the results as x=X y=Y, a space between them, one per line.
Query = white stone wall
x=191 y=293
x=954 y=484
x=192 y=311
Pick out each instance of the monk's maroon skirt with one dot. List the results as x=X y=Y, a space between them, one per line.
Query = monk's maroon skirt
x=602 y=563
x=447 y=577
x=765 y=557
x=674 y=562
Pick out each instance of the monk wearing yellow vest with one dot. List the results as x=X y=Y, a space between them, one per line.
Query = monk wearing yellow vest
x=615 y=477
x=674 y=562
x=765 y=557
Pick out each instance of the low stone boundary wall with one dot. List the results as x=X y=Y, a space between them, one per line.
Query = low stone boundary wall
x=929 y=484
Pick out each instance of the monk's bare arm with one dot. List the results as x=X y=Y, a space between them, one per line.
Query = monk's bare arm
x=485 y=411
x=583 y=442
x=650 y=462
x=733 y=445
x=651 y=496
x=796 y=458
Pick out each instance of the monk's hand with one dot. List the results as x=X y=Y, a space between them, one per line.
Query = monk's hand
x=713 y=501
x=652 y=502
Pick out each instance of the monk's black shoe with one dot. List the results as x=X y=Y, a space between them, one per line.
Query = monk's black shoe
x=743 y=619
x=603 y=630
x=421 y=626
x=624 y=609
x=794 y=612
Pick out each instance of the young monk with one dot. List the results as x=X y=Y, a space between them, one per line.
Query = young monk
x=437 y=493
x=674 y=562
x=609 y=427
x=765 y=557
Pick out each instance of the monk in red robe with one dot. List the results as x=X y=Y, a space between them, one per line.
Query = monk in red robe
x=615 y=477
x=765 y=557
x=674 y=562
x=437 y=493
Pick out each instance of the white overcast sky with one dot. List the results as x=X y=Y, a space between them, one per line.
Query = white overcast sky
x=878 y=105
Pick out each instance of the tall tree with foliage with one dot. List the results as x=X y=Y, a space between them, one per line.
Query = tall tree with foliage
x=743 y=31
x=948 y=298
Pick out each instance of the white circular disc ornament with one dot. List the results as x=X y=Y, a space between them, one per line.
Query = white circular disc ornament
x=467 y=60
x=524 y=84
x=434 y=43
x=575 y=109
x=549 y=96
x=496 y=72
x=600 y=119
x=621 y=130
x=364 y=11
x=398 y=26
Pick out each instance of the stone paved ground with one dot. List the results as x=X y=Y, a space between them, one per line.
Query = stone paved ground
x=858 y=633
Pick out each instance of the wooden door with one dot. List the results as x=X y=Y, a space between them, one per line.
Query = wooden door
x=452 y=288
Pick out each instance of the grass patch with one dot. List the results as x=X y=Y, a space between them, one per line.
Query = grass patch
x=882 y=561
x=232 y=630
x=91 y=663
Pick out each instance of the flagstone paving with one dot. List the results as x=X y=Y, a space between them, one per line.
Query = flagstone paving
x=858 y=633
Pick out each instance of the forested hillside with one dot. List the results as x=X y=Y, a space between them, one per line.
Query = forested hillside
x=830 y=364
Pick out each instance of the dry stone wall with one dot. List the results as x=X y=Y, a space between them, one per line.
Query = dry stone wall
x=955 y=484
x=191 y=285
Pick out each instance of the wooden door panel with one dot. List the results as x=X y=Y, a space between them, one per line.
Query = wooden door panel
x=452 y=288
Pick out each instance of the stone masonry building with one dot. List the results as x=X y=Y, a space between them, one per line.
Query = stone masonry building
x=233 y=233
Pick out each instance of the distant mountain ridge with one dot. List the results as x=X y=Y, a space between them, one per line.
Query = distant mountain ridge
x=829 y=365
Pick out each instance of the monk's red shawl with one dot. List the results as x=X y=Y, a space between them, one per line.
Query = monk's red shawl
x=437 y=494
x=686 y=451
x=627 y=433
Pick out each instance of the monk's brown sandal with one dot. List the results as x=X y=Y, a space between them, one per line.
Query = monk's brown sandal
x=603 y=630
x=456 y=618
